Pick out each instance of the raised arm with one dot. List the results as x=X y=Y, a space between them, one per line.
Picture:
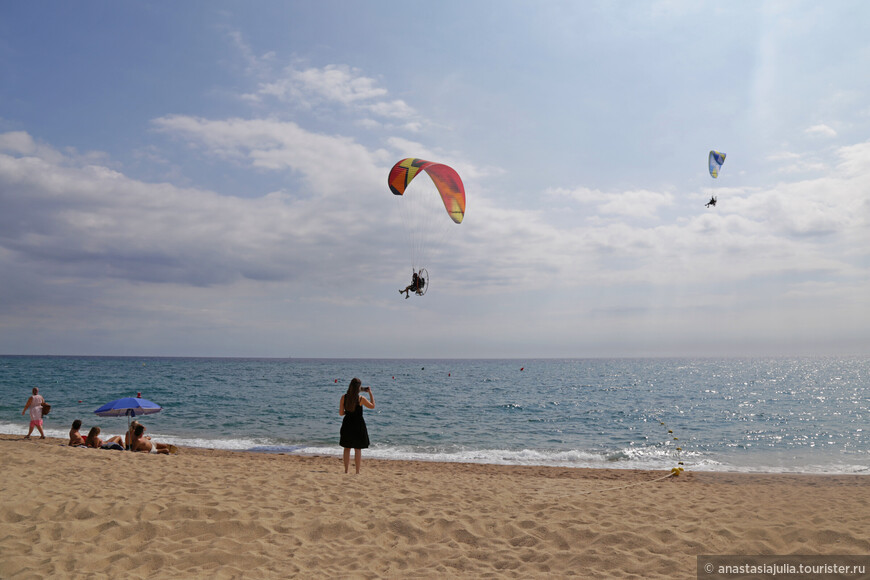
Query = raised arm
x=370 y=402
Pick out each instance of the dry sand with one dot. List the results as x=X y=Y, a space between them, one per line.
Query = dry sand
x=89 y=513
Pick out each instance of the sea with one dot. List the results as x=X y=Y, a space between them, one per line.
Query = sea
x=771 y=415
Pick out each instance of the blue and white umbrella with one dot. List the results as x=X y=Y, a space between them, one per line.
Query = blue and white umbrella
x=128 y=407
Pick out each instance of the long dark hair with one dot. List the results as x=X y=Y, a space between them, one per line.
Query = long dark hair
x=91 y=440
x=351 y=398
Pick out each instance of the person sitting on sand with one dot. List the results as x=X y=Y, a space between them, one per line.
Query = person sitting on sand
x=75 y=438
x=145 y=445
x=128 y=436
x=93 y=440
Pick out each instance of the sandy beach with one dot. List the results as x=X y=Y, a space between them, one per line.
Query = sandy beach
x=76 y=513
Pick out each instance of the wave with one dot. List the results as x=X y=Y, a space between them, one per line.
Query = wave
x=653 y=458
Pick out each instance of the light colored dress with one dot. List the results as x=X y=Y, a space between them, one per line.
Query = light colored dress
x=36 y=408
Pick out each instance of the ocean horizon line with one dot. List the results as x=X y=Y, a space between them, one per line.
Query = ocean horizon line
x=444 y=358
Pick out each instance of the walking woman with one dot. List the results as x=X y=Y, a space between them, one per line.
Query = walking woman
x=354 y=434
x=34 y=404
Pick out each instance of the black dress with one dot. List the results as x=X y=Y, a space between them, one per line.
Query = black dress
x=354 y=434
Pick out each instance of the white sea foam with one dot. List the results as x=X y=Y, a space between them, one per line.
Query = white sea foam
x=651 y=458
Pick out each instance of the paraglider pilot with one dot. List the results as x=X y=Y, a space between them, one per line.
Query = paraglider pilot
x=416 y=286
x=711 y=202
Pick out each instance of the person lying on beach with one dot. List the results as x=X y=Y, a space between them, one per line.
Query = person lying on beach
x=93 y=440
x=144 y=444
x=75 y=438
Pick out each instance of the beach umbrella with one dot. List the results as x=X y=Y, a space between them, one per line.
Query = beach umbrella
x=128 y=407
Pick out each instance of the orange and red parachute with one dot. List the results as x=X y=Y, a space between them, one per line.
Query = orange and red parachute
x=446 y=181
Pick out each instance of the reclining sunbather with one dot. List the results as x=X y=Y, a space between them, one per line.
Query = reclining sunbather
x=94 y=440
x=144 y=444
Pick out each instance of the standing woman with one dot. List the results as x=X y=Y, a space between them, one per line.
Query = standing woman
x=34 y=403
x=354 y=434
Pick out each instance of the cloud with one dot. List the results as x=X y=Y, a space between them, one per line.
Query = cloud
x=329 y=164
x=253 y=64
x=89 y=221
x=820 y=130
x=638 y=203
x=333 y=84
x=854 y=160
x=21 y=143
x=784 y=156
x=17 y=142
x=397 y=109
x=306 y=88
x=339 y=83
x=792 y=163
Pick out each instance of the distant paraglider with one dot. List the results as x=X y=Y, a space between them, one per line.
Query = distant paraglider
x=421 y=211
x=714 y=161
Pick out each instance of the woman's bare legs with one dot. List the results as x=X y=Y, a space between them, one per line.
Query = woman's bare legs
x=357 y=459
x=346 y=458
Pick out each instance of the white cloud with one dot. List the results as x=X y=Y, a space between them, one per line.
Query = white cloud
x=21 y=143
x=784 y=156
x=17 y=142
x=396 y=109
x=331 y=165
x=820 y=130
x=108 y=224
x=794 y=163
x=638 y=203
x=91 y=221
x=333 y=84
x=854 y=160
x=339 y=83
x=253 y=64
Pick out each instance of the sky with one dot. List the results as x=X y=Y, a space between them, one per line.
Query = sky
x=208 y=178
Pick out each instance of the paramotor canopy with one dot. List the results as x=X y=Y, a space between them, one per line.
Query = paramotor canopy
x=715 y=161
x=446 y=180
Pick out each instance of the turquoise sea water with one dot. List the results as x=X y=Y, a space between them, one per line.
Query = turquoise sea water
x=772 y=415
